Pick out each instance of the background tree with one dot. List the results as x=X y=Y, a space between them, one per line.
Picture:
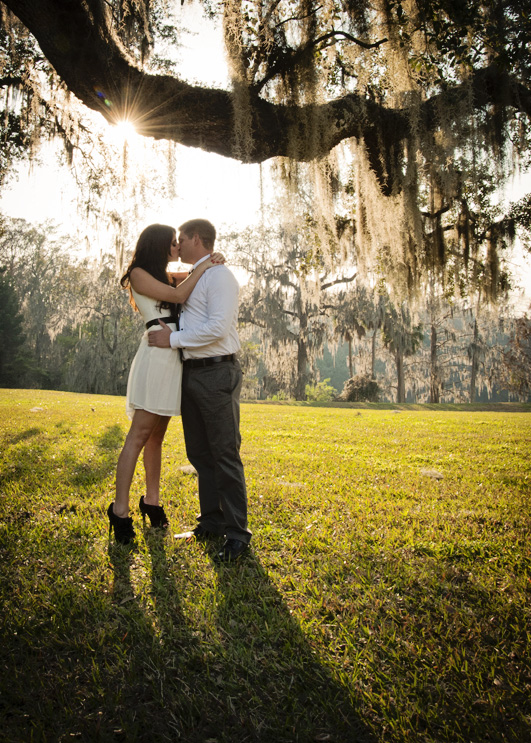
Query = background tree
x=100 y=359
x=250 y=356
x=41 y=273
x=516 y=360
x=11 y=334
x=284 y=299
x=79 y=331
x=355 y=312
x=401 y=338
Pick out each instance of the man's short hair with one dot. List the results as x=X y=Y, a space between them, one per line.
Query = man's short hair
x=204 y=229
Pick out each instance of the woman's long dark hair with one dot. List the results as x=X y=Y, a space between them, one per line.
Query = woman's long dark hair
x=152 y=253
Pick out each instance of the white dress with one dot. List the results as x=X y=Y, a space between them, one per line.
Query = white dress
x=155 y=378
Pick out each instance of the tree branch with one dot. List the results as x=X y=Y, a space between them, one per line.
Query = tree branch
x=364 y=44
x=78 y=40
x=438 y=213
x=299 y=17
x=344 y=280
x=290 y=59
x=246 y=320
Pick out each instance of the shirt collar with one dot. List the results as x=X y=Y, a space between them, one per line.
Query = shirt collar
x=201 y=260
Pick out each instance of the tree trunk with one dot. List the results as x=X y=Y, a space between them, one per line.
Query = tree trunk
x=435 y=387
x=350 y=360
x=373 y=354
x=302 y=369
x=475 y=363
x=401 y=382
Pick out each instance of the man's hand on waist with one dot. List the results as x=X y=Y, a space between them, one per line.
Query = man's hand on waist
x=160 y=338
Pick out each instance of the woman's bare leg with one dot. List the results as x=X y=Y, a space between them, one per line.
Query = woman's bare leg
x=142 y=426
x=153 y=460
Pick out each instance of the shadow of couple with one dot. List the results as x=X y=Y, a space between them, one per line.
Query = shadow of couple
x=234 y=667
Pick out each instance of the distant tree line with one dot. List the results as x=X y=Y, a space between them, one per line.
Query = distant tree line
x=65 y=323
x=448 y=345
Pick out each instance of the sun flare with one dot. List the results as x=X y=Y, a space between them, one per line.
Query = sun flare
x=123 y=132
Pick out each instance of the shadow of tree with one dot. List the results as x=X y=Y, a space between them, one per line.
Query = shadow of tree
x=32 y=452
x=21 y=436
x=16 y=460
x=98 y=466
x=111 y=439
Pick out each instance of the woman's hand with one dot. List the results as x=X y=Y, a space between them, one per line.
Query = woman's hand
x=217 y=259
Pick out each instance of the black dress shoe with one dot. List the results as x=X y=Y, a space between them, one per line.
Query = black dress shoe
x=232 y=549
x=201 y=532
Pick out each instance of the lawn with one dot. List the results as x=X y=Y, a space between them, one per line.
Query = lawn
x=386 y=597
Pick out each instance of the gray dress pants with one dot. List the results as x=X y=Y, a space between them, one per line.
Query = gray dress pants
x=210 y=411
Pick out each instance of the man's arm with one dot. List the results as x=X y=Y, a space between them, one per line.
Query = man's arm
x=222 y=306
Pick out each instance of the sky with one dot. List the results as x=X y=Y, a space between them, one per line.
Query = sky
x=520 y=262
x=230 y=194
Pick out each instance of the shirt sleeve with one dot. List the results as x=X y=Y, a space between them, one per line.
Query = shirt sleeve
x=222 y=306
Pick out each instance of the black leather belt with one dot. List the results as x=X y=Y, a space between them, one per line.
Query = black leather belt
x=156 y=321
x=210 y=361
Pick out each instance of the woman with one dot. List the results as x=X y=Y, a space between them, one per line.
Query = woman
x=154 y=384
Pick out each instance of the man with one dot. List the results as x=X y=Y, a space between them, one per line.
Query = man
x=212 y=379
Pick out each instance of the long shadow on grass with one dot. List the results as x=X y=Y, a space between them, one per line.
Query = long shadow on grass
x=274 y=681
x=161 y=689
x=237 y=670
x=135 y=665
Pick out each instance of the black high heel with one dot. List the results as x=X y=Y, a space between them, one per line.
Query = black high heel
x=123 y=528
x=156 y=514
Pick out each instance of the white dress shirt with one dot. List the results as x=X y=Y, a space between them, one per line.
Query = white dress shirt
x=209 y=317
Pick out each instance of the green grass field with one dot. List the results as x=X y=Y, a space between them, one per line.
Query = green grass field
x=386 y=597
